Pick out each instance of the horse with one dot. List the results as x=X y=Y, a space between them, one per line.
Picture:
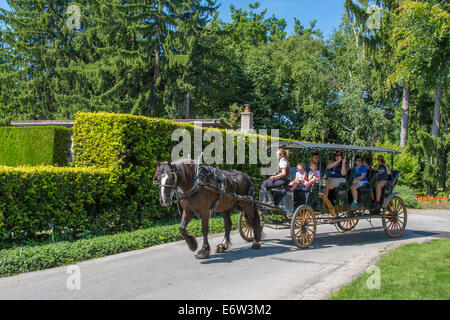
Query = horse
x=195 y=188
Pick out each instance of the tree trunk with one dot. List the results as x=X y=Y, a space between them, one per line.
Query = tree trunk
x=187 y=111
x=405 y=116
x=436 y=130
x=156 y=75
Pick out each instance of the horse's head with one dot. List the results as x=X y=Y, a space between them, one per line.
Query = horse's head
x=166 y=178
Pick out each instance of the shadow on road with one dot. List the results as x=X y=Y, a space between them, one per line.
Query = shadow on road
x=275 y=246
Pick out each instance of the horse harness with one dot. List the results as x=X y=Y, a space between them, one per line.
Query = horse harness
x=202 y=173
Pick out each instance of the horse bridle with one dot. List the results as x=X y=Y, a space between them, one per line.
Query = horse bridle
x=171 y=186
x=180 y=195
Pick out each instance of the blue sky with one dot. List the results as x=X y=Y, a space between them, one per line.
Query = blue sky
x=327 y=12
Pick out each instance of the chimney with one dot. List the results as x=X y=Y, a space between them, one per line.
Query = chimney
x=246 y=119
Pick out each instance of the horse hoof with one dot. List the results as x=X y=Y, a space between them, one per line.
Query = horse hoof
x=256 y=246
x=223 y=247
x=202 y=254
x=192 y=244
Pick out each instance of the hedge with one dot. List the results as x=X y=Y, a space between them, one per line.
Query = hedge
x=34 y=146
x=130 y=145
x=33 y=258
x=71 y=199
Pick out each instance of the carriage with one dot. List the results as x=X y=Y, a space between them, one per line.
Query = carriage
x=303 y=210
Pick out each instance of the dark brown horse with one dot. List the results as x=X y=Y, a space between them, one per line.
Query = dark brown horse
x=194 y=187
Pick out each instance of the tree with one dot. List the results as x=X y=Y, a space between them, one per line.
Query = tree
x=420 y=38
x=192 y=56
x=291 y=81
x=35 y=46
x=374 y=41
x=362 y=114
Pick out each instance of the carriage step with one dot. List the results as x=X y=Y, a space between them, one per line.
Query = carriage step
x=356 y=231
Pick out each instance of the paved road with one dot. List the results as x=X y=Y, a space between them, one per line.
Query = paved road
x=277 y=271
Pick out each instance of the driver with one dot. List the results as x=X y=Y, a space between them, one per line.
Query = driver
x=281 y=178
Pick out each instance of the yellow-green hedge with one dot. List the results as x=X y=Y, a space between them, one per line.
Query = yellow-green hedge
x=130 y=145
x=32 y=146
x=72 y=199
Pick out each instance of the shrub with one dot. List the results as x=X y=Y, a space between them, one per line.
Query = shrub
x=408 y=196
x=72 y=199
x=34 y=146
x=130 y=145
x=406 y=163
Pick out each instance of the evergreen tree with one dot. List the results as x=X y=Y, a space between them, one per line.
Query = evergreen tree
x=35 y=46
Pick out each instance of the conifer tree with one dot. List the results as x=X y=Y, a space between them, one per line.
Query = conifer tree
x=36 y=47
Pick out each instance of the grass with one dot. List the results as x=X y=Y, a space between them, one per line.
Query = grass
x=39 y=257
x=412 y=272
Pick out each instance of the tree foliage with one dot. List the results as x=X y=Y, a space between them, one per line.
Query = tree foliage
x=176 y=58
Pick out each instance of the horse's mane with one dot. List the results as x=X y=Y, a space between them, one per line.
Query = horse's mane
x=186 y=169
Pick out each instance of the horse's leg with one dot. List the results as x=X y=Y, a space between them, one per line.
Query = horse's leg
x=205 y=250
x=190 y=240
x=226 y=243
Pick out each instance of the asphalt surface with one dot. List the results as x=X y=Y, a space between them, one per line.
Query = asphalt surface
x=277 y=271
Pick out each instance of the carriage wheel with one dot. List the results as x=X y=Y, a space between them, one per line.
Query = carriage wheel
x=303 y=226
x=395 y=217
x=347 y=225
x=245 y=230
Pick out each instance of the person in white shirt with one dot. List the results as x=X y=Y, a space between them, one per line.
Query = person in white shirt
x=281 y=177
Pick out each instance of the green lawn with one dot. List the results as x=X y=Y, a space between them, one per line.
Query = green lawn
x=414 y=271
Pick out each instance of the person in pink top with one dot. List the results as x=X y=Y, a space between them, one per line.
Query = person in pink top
x=301 y=177
x=313 y=176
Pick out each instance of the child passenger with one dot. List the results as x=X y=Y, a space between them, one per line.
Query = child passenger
x=313 y=176
x=301 y=177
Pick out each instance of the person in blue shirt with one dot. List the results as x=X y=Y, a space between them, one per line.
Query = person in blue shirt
x=359 y=179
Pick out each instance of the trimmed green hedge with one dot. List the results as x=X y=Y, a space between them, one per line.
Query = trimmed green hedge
x=66 y=253
x=33 y=146
x=72 y=199
x=115 y=193
x=130 y=145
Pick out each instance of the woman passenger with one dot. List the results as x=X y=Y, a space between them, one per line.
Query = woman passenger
x=367 y=161
x=383 y=176
x=338 y=171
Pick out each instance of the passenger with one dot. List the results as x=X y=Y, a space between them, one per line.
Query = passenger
x=338 y=168
x=313 y=176
x=316 y=160
x=359 y=179
x=367 y=161
x=281 y=178
x=383 y=176
x=301 y=177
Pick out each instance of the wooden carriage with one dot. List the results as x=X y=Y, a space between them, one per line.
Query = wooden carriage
x=304 y=210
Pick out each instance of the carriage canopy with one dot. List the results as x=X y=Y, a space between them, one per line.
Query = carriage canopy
x=330 y=147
